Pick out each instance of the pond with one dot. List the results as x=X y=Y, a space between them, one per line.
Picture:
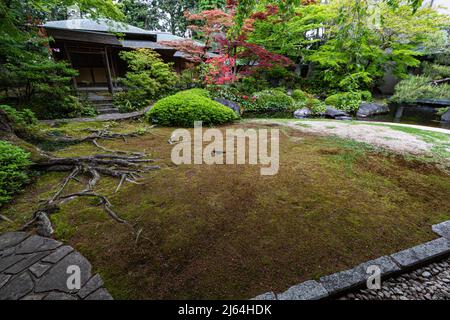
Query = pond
x=417 y=114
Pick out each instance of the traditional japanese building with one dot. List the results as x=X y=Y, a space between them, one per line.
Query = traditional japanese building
x=92 y=47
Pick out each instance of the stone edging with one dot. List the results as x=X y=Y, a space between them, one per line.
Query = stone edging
x=341 y=282
x=36 y=268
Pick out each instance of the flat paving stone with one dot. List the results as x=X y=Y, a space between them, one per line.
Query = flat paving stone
x=308 y=290
x=29 y=260
x=442 y=229
x=36 y=268
x=58 y=254
x=37 y=243
x=9 y=261
x=93 y=284
x=59 y=296
x=348 y=279
x=100 y=294
x=10 y=239
x=56 y=279
x=422 y=253
x=17 y=287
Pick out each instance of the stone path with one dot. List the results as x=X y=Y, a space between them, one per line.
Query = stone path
x=428 y=283
x=102 y=117
x=37 y=268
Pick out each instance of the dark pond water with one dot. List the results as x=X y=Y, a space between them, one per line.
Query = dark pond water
x=420 y=115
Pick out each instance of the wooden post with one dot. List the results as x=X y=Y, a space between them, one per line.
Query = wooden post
x=108 y=72
x=74 y=80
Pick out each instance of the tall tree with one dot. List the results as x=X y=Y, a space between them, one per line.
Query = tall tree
x=173 y=19
x=142 y=13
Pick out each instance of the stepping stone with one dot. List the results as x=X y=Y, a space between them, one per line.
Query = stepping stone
x=308 y=290
x=39 y=296
x=10 y=239
x=5 y=263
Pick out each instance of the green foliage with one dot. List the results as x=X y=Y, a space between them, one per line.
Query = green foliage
x=419 y=87
x=348 y=101
x=23 y=118
x=316 y=106
x=233 y=94
x=183 y=108
x=211 y=4
x=148 y=78
x=249 y=85
x=197 y=91
x=436 y=71
x=300 y=95
x=28 y=76
x=13 y=164
x=271 y=100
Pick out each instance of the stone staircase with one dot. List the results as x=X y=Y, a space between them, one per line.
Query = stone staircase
x=101 y=99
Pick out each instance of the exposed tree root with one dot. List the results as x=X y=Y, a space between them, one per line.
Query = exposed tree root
x=123 y=165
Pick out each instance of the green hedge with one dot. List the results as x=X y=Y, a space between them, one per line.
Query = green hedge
x=13 y=164
x=273 y=100
x=185 y=107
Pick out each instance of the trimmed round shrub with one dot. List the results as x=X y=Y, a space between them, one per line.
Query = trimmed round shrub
x=198 y=91
x=348 y=101
x=185 y=107
x=300 y=95
x=13 y=164
x=271 y=101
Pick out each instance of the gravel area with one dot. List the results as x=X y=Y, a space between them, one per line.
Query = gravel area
x=428 y=283
x=376 y=134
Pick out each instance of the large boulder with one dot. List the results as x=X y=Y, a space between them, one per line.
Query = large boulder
x=230 y=104
x=302 y=113
x=367 y=109
x=333 y=113
x=446 y=116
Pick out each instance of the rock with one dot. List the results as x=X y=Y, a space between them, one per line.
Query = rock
x=426 y=274
x=266 y=296
x=357 y=276
x=446 y=116
x=369 y=109
x=308 y=290
x=16 y=288
x=230 y=104
x=302 y=113
x=333 y=113
x=38 y=269
x=442 y=229
x=422 y=253
x=343 y=118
